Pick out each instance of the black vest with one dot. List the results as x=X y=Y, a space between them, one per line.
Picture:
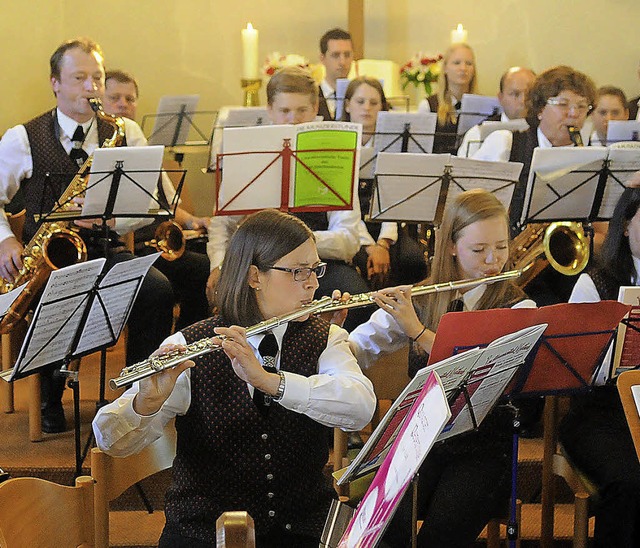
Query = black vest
x=521 y=151
x=314 y=220
x=445 y=140
x=230 y=457
x=323 y=108
x=49 y=157
x=633 y=108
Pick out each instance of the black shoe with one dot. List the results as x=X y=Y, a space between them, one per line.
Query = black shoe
x=354 y=441
x=53 y=419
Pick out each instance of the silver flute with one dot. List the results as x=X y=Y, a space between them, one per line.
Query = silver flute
x=156 y=364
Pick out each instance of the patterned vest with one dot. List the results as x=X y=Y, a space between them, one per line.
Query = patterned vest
x=49 y=156
x=607 y=287
x=521 y=151
x=230 y=457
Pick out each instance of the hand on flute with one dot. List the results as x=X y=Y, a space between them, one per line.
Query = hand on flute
x=155 y=390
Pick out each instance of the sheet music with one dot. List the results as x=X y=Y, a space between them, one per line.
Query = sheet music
x=405 y=457
x=474 y=109
x=451 y=371
x=56 y=321
x=367 y=162
x=623 y=163
x=493 y=370
x=560 y=192
x=390 y=125
x=489 y=126
x=635 y=392
x=7 y=299
x=623 y=130
x=117 y=300
x=498 y=178
x=171 y=127
x=141 y=166
x=341 y=88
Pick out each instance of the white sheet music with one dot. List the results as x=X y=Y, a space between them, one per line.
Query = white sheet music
x=623 y=130
x=474 y=109
x=489 y=126
x=7 y=299
x=623 y=163
x=56 y=321
x=171 y=127
x=367 y=162
x=390 y=126
x=341 y=88
x=562 y=183
x=117 y=300
x=141 y=166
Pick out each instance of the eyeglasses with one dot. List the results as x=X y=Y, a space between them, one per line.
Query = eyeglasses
x=565 y=105
x=302 y=274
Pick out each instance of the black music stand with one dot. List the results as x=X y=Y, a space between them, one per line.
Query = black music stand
x=83 y=309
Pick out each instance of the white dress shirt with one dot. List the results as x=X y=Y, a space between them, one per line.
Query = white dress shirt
x=329 y=96
x=471 y=141
x=497 y=146
x=16 y=163
x=339 y=395
x=382 y=334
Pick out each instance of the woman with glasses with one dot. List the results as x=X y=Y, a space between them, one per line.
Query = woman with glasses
x=560 y=98
x=253 y=419
x=464 y=481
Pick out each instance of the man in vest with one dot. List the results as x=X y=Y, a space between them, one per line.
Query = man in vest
x=58 y=142
x=336 y=54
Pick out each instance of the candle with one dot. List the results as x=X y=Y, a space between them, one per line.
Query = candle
x=250 y=53
x=458 y=34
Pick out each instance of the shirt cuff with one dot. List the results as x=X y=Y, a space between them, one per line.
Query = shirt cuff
x=297 y=392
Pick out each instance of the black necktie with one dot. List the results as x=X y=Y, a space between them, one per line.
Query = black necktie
x=268 y=349
x=77 y=154
x=457 y=305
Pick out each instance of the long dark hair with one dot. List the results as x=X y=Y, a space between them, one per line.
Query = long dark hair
x=261 y=240
x=615 y=256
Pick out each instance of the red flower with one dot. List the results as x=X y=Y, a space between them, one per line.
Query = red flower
x=270 y=71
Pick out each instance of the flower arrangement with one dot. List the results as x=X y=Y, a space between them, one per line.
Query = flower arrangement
x=275 y=61
x=421 y=70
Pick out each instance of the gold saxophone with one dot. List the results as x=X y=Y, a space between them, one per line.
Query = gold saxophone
x=55 y=244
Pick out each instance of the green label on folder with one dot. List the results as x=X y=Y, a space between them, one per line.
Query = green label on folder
x=326 y=166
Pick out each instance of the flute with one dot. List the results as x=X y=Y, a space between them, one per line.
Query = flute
x=156 y=364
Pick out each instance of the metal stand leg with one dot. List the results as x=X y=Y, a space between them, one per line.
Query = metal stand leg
x=512 y=526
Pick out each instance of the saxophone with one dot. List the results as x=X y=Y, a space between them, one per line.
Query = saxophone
x=55 y=244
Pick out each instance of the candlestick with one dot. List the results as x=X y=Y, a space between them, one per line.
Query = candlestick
x=459 y=35
x=250 y=52
x=250 y=87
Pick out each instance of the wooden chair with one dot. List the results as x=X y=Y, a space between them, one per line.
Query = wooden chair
x=556 y=463
x=114 y=475
x=38 y=513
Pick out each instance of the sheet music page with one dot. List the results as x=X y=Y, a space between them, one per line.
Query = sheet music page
x=623 y=130
x=412 y=445
x=489 y=126
x=635 y=392
x=565 y=183
x=138 y=183
x=474 y=109
x=327 y=166
x=491 y=374
x=367 y=162
x=7 y=299
x=341 y=88
x=117 y=300
x=623 y=163
x=257 y=160
x=408 y=186
x=451 y=372
x=390 y=125
x=170 y=128
x=57 y=316
x=498 y=178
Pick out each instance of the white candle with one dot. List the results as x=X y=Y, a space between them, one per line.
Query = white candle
x=250 y=52
x=459 y=35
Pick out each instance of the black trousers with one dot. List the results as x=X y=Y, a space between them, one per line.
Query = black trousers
x=188 y=277
x=276 y=539
x=596 y=436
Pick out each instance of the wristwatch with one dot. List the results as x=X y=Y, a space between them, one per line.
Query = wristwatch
x=281 y=386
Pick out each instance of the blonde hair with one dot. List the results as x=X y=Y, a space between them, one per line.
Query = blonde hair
x=292 y=80
x=468 y=207
x=446 y=112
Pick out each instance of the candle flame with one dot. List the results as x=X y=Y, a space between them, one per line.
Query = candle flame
x=459 y=29
x=250 y=26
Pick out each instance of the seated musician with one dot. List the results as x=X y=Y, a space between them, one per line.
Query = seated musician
x=188 y=273
x=560 y=98
x=595 y=433
x=292 y=98
x=382 y=261
x=464 y=481
x=235 y=451
x=610 y=104
x=58 y=142
x=457 y=78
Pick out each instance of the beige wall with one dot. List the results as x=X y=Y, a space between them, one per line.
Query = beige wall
x=193 y=46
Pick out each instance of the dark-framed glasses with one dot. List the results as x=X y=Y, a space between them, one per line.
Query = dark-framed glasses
x=303 y=273
x=566 y=105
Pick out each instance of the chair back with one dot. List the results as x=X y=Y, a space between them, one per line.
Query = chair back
x=38 y=513
x=114 y=475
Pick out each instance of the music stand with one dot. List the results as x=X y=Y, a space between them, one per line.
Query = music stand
x=83 y=309
x=570 y=353
x=416 y=187
x=405 y=131
x=298 y=168
x=475 y=109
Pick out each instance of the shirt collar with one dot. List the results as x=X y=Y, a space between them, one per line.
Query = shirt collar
x=543 y=142
x=68 y=125
x=504 y=117
x=278 y=331
x=471 y=297
x=327 y=90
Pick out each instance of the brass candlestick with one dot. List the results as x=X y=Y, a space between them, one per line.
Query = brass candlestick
x=250 y=87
